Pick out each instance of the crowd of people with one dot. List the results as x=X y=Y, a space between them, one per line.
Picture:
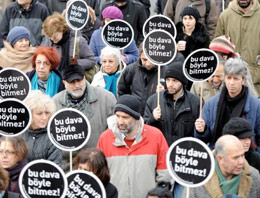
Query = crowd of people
x=134 y=115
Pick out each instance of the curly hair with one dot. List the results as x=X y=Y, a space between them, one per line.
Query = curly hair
x=54 y=23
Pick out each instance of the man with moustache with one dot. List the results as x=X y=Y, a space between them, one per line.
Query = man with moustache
x=96 y=103
x=136 y=152
x=233 y=176
x=241 y=22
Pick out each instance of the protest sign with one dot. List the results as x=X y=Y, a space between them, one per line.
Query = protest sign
x=77 y=14
x=190 y=162
x=159 y=47
x=117 y=33
x=41 y=179
x=84 y=184
x=159 y=22
x=69 y=129
x=200 y=65
x=15 y=117
x=14 y=84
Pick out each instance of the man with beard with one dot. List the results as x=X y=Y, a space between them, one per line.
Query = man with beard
x=241 y=22
x=136 y=152
x=96 y=103
x=233 y=177
x=178 y=109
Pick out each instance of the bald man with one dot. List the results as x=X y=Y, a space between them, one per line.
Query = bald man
x=232 y=174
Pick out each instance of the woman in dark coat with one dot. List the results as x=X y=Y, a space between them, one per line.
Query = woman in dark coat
x=191 y=34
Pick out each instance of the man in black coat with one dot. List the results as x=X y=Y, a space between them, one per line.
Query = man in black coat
x=178 y=109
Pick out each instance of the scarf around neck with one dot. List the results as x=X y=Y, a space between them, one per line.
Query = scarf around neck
x=228 y=186
x=53 y=83
x=65 y=50
x=111 y=83
x=227 y=108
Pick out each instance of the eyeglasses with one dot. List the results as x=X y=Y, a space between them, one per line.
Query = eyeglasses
x=7 y=152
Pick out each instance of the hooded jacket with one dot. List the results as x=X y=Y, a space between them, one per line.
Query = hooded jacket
x=244 y=31
x=135 y=170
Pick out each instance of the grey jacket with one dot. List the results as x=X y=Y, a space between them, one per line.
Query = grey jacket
x=98 y=107
x=31 y=18
x=83 y=53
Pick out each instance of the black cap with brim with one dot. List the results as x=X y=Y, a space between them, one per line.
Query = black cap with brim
x=239 y=127
x=73 y=72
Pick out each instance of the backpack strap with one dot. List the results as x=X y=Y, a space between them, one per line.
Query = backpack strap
x=207 y=3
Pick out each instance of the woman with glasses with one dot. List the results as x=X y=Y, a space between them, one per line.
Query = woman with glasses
x=44 y=76
x=13 y=152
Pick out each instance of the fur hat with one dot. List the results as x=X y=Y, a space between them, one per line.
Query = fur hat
x=223 y=44
x=112 y=12
x=130 y=105
x=238 y=127
x=191 y=10
x=175 y=70
x=17 y=33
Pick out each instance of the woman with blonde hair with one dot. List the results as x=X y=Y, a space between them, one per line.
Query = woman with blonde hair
x=40 y=147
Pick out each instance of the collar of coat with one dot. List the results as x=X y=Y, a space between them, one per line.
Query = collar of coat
x=213 y=185
x=234 y=6
x=91 y=96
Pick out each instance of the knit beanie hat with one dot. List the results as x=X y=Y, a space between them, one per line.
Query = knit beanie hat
x=223 y=44
x=191 y=10
x=175 y=70
x=17 y=33
x=130 y=105
x=112 y=12
x=239 y=127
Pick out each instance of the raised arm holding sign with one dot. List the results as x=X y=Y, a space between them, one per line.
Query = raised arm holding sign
x=160 y=48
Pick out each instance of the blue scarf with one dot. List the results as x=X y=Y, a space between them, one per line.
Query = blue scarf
x=53 y=83
x=111 y=83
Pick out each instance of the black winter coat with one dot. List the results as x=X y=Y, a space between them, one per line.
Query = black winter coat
x=40 y=146
x=198 y=39
x=140 y=82
x=177 y=118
